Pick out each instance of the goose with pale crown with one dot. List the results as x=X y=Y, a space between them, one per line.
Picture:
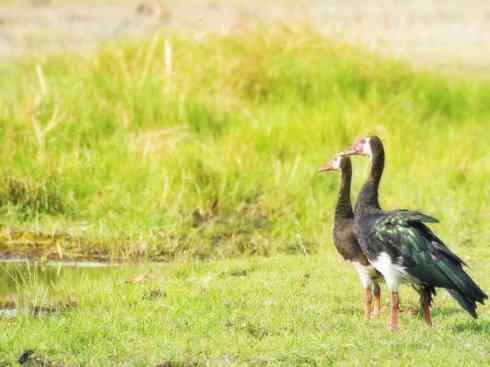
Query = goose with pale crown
x=401 y=246
x=345 y=240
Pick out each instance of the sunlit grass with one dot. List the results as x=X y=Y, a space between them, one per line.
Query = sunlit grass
x=281 y=311
x=208 y=146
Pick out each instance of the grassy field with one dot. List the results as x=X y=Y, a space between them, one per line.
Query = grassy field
x=280 y=311
x=207 y=147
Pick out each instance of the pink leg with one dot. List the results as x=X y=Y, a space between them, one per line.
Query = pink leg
x=377 y=299
x=367 y=303
x=425 y=303
x=395 y=305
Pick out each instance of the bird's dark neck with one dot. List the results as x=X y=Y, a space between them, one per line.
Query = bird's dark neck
x=343 y=208
x=368 y=196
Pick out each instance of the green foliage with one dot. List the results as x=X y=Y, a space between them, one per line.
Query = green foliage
x=216 y=155
x=279 y=311
x=31 y=199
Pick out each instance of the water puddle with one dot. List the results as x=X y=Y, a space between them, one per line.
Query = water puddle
x=57 y=263
x=8 y=313
x=41 y=289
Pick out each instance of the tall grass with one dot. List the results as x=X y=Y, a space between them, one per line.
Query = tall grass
x=191 y=146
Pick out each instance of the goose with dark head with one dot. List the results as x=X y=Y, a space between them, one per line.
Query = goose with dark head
x=401 y=246
x=345 y=240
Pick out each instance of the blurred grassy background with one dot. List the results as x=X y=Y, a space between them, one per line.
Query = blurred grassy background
x=207 y=146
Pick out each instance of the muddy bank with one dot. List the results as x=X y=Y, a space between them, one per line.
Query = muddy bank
x=16 y=245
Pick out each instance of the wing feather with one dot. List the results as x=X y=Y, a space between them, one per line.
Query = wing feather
x=405 y=236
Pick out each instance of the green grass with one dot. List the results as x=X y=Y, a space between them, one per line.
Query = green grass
x=107 y=154
x=218 y=157
x=279 y=311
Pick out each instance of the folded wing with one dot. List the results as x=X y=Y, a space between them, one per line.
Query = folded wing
x=424 y=257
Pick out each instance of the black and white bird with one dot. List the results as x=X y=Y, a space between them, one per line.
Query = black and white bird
x=401 y=246
x=345 y=240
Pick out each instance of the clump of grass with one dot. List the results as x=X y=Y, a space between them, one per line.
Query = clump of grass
x=31 y=199
x=142 y=141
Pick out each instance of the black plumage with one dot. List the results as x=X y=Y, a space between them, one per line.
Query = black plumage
x=345 y=240
x=403 y=248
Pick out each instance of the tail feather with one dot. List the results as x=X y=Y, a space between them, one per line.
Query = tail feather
x=464 y=290
x=467 y=304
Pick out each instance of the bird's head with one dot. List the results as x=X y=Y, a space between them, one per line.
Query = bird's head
x=337 y=163
x=364 y=146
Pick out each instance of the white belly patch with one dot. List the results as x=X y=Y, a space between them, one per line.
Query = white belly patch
x=366 y=273
x=393 y=272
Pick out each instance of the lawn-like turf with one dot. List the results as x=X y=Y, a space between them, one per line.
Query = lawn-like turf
x=281 y=311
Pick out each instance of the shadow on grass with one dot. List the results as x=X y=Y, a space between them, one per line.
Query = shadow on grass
x=412 y=311
x=474 y=327
x=178 y=364
x=348 y=310
x=446 y=311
